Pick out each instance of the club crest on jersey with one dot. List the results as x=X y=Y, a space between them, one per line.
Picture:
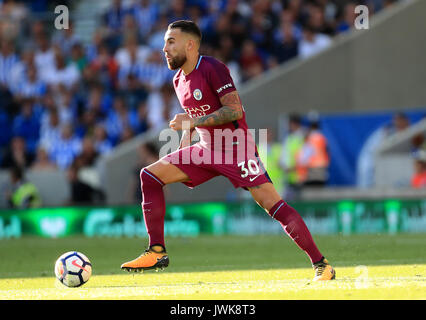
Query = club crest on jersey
x=197 y=94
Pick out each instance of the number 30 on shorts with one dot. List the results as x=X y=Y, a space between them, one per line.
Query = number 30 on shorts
x=251 y=167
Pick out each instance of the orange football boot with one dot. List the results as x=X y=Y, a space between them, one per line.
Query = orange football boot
x=155 y=257
x=324 y=271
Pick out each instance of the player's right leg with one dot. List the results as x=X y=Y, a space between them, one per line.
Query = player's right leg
x=268 y=198
x=153 y=178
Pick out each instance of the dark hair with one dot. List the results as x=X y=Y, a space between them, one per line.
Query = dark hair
x=152 y=148
x=17 y=172
x=401 y=115
x=187 y=26
x=295 y=118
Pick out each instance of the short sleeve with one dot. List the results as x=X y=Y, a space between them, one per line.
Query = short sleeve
x=220 y=79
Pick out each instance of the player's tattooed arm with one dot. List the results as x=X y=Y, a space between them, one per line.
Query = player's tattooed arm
x=231 y=110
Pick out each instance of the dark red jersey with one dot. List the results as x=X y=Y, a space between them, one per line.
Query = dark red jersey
x=199 y=93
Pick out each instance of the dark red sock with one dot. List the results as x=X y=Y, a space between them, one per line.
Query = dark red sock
x=296 y=228
x=153 y=206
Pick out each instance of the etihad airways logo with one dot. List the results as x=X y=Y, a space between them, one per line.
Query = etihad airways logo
x=195 y=112
x=229 y=85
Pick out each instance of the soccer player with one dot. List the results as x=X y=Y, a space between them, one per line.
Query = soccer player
x=213 y=108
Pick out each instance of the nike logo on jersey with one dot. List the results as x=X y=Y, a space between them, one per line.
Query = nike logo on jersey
x=252 y=179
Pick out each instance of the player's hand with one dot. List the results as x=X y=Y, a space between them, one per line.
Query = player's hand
x=181 y=121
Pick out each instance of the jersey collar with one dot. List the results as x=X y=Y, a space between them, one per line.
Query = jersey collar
x=198 y=63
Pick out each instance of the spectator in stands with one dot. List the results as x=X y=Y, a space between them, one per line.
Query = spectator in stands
x=418 y=180
x=5 y=132
x=366 y=158
x=226 y=54
x=131 y=53
x=226 y=49
x=103 y=145
x=153 y=74
x=130 y=27
x=194 y=12
x=291 y=147
x=313 y=159
x=42 y=161
x=104 y=68
x=176 y=11
x=140 y=118
x=146 y=15
x=130 y=59
x=400 y=123
x=66 y=105
x=87 y=124
x=113 y=20
x=44 y=56
x=88 y=155
x=50 y=130
x=64 y=149
x=250 y=60
x=8 y=60
x=27 y=125
x=239 y=21
x=98 y=103
x=286 y=44
x=30 y=86
x=78 y=57
x=126 y=134
x=262 y=23
x=221 y=26
x=348 y=20
x=156 y=37
x=37 y=29
x=66 y=39
x=23 y=194
x=317 y=21
x=92 y=48
x=162 y=106
x=118 y=118
x=17 y=155
x=13 y=15
x=62 y=74
x=81 y=192
x=18 y=73
x=312 y=42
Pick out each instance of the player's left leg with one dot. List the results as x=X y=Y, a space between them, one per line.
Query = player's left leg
x=170 y=169
x=153 y=178
x=269 y=199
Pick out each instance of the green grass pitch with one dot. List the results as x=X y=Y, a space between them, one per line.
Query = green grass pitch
x=221 y=267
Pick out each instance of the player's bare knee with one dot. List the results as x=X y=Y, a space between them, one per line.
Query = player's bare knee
x=267 y=204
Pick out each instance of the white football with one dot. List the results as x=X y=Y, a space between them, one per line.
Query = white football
x=73 y=269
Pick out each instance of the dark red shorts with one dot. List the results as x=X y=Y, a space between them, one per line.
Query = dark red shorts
x=202 y=164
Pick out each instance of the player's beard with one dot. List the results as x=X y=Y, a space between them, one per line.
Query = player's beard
x=176 y=62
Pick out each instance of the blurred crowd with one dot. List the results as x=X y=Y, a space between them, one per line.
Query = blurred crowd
x=64 y=102
x=63 y=99
x=301 y=159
